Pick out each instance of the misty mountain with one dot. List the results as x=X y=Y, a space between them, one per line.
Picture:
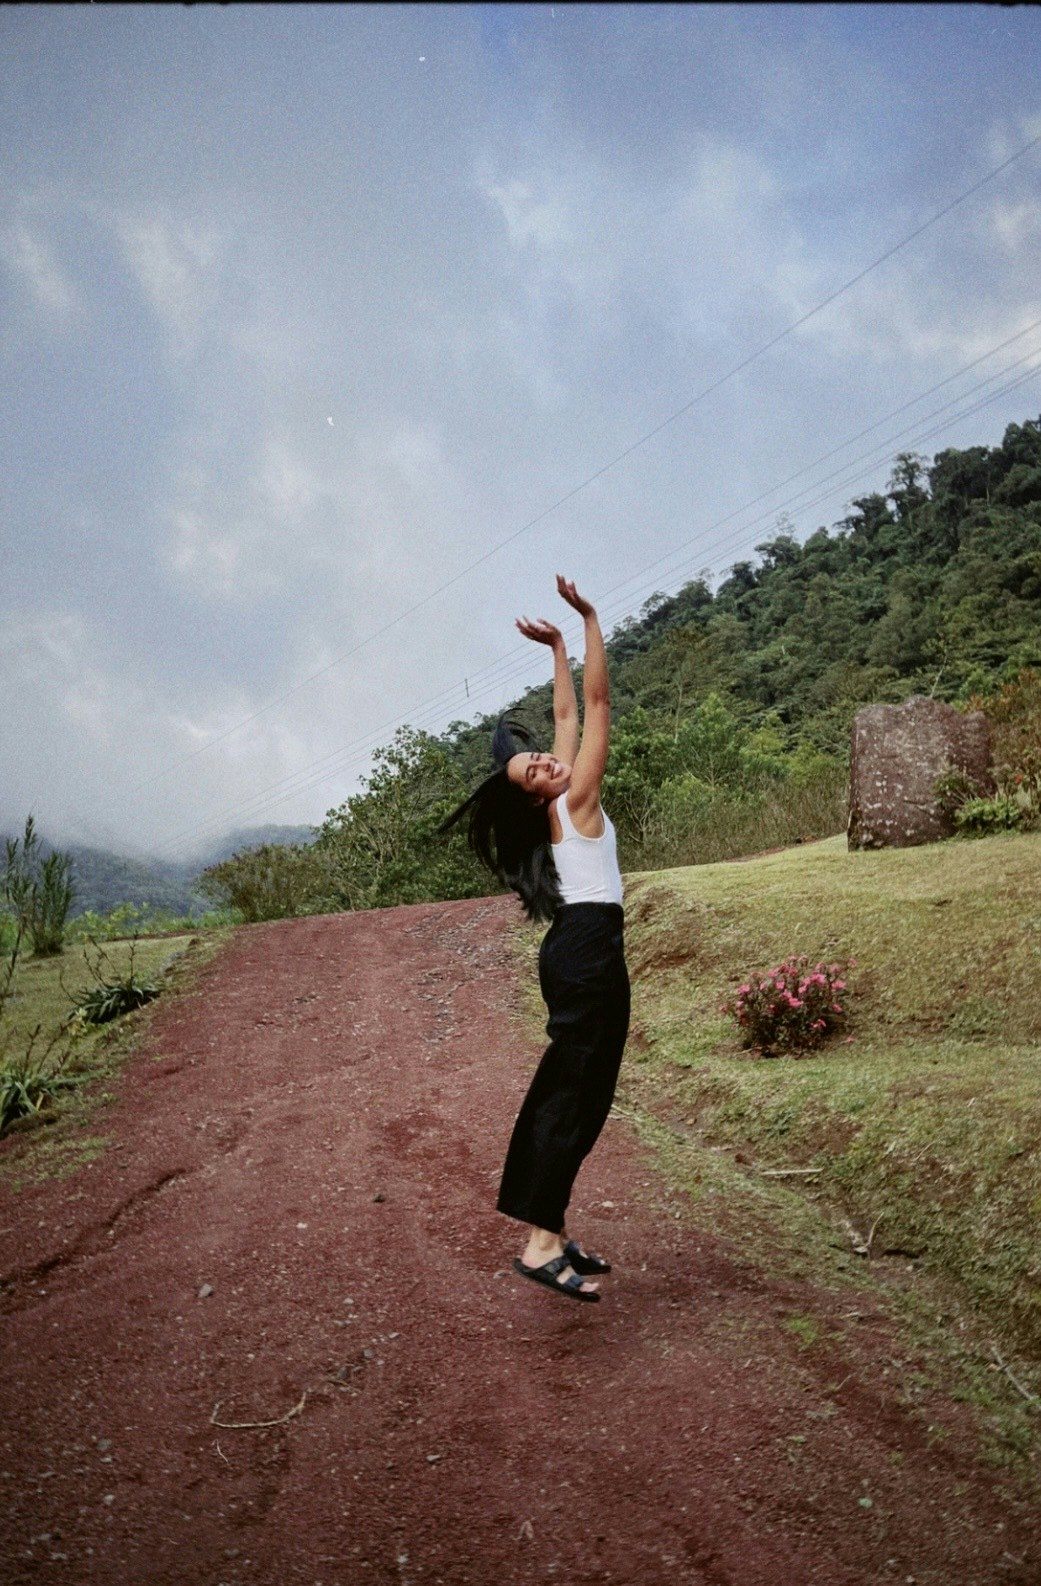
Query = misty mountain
x=104 y=879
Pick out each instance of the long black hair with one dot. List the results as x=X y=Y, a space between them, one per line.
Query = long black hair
x=508 y=831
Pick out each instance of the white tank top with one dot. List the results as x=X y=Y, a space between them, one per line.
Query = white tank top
x=587 y=866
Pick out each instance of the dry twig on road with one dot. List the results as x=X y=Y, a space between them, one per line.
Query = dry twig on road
x=242 y=1426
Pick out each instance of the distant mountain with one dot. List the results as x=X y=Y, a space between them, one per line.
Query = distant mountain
x=104 y=879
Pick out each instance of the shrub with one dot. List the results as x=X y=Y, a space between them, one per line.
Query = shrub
x=979 y=817
x=384 y=846
x=271 y=882
x=1015 y=717
x=113 y=992
x=39 y=891
x=792 y=1007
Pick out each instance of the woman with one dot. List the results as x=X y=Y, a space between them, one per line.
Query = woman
x=537 y=823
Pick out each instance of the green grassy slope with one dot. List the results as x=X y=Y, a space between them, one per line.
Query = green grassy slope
x=926 y=1129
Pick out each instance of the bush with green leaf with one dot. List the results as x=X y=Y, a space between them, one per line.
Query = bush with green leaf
x=114 y=991
x=271 y=882
x=384 y=846
x=30 y=1080
x=793 y=1008
x=980 y=817
x=1014 y=711
x=38 y=891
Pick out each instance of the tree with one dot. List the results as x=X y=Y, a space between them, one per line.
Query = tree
x=383 y=846
x=274 y=881
x=905 y=489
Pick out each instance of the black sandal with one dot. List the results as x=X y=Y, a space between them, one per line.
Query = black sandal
x=586 y=1264
x=550 y=1272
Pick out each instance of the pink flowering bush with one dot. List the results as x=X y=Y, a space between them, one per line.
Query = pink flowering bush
x=791 y=1008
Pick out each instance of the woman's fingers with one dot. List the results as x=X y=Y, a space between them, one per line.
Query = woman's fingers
x=566 y=588
x=538 y=629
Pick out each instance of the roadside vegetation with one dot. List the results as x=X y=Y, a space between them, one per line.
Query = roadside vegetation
x=66 y=1025
x=911 y=1139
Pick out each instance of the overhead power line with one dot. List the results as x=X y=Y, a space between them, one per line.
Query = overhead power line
x=502 y=671
x=598 y=473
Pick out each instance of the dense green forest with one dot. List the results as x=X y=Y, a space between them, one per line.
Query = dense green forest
x=733 y=707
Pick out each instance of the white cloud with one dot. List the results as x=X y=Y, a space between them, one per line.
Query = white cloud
x=301 y=507
x=1017 y=226
x=176 y=269
x=32 y=258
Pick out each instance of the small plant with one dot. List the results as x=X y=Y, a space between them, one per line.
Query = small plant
x=791 y=1008
x=39 y=891
x=28 y=1082
x=955 y=788
x=981 y=816
x=30 y=1079
x=114 y=992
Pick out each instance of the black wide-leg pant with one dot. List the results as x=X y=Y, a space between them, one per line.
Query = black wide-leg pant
x=585 y=985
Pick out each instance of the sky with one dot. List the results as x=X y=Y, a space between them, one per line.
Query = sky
x=329 y=334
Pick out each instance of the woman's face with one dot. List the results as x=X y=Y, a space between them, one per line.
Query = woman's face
x=542 y=775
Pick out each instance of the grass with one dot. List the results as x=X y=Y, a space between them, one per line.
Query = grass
x=926 y=1130
x=924 y=1133
x=42 y=997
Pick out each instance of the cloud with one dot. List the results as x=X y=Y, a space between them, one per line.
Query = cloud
x=176 y=267
x=32 y=259
x=325 y=513
x=1017 y=225
x=103 y=738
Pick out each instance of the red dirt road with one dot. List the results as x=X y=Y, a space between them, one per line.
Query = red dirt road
x=315 y=1133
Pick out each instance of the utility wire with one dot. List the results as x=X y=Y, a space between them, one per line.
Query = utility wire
x=495 y=676
x=601 y=471
x=355 y=751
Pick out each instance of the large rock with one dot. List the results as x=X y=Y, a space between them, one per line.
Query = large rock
x=899 y=752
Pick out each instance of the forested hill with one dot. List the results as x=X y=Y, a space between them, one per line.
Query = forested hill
x=732 y=708
x=104 y=879
x=932 y=587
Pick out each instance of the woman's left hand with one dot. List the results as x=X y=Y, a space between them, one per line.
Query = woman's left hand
x=566 y=588
x=540 y=630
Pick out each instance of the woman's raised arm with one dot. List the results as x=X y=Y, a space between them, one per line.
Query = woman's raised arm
x=565 y=705
x=591 y=761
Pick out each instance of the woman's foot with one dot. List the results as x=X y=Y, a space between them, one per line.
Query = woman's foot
x=584 y=1261
x=543 y=1247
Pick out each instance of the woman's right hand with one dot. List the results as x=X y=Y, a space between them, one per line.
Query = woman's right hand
x=567 y=590
x=540 y=630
